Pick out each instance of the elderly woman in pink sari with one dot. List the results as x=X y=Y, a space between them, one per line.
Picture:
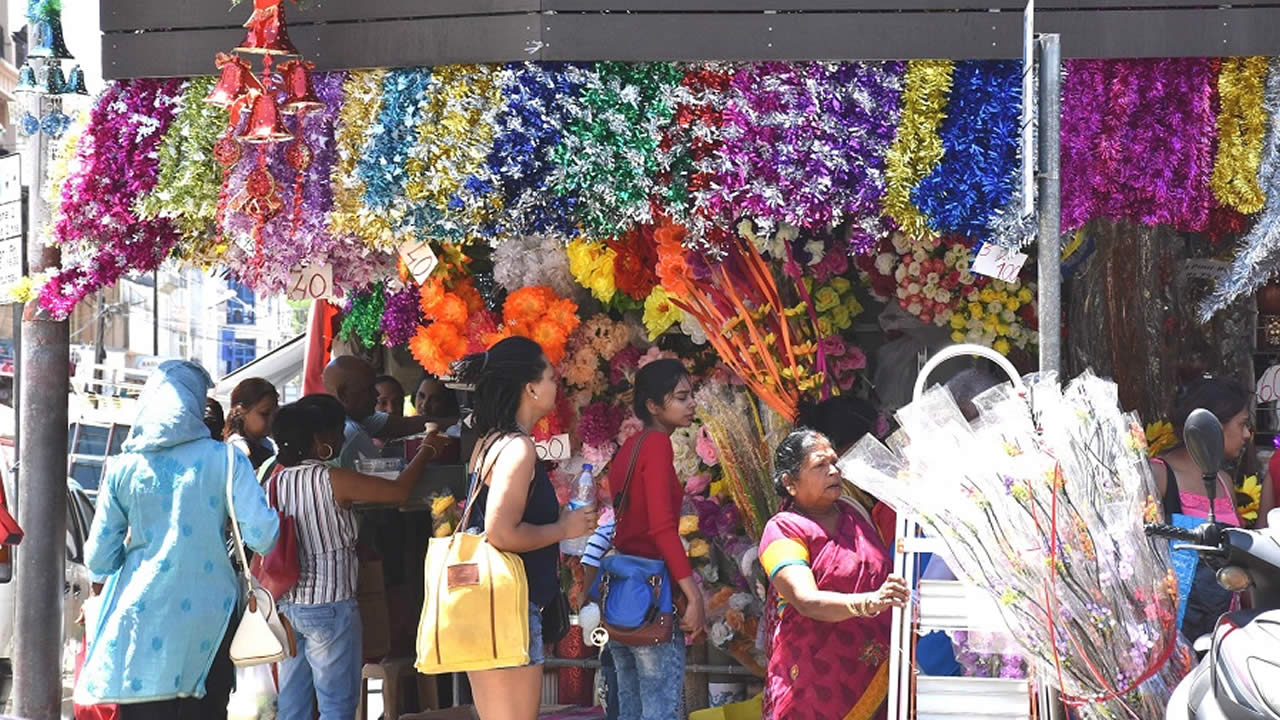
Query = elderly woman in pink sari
x=829 y=588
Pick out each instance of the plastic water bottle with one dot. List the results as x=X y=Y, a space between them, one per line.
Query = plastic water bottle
x=584 y=494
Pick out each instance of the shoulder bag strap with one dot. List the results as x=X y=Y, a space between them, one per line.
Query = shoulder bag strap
x=620 y=503
x=231 y=510
x=481 y=475
x=1171 y=503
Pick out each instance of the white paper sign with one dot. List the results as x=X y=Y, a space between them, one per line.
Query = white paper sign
x=10 y=261
x=311 y=283
x=998 y=262
x=11 y=220
x=554 y=449
x=1269 y=385
x=419 y=258
x=11 y=179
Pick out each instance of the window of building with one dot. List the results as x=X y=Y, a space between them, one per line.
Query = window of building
x=240 y=307
x=235 y=352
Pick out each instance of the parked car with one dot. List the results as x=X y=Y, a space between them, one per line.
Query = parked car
x=75 y=588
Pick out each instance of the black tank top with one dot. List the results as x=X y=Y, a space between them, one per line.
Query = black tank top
x=541 y=566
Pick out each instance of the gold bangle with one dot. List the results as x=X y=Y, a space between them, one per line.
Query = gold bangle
x=857 y=607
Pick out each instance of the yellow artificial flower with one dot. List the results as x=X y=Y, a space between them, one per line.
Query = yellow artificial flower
x=688 y=524
x=445 y=530
x=840 y=317
x=958 y=321
x=975 y=309
x=1012 y=304
x=1001 y=346
x=825 y=299
x=1251 y=489
x=591 y=264
x=795 y=311
x=699 y=548
x=1160 y=437
x=987 y=295
x=853 y=306
x=957 y=336
x=1024 y=295
x=442 y=505
x=826 y=327
x=841 y=284
x=716 y=489
x=660 y=313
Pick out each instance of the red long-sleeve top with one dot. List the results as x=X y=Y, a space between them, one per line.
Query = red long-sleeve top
x=649 y=526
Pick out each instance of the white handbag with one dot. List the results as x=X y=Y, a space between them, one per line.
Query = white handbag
x=264 y=635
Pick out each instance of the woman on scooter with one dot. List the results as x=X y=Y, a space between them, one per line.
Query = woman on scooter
x=1182 y=490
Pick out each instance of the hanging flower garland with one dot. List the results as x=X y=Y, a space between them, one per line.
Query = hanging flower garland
x=1258 y=255
x=99 y=224
x=449 y=189
x=186 y=191
x=609 y=155
x=979 y=167
x=1138 y=142
x=363 y=317
x=917 y=149
x=528 y=129
x=1242 y=123
x=690 y=145
x=382 y=166
x=64 y=160
x=363 y=103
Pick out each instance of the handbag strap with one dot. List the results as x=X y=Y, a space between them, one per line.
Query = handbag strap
x=231 y=510
x=620 y=503
x=479 y=480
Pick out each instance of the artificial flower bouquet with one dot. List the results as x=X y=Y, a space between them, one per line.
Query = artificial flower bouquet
x=1041 y=503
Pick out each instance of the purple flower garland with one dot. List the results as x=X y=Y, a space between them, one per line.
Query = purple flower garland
x=118 y=165
x=1138 y=139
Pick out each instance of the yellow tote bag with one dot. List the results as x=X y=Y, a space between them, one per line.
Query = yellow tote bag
x=476 y=612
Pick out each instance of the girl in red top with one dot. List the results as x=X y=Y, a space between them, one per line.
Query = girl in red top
x=651 y=679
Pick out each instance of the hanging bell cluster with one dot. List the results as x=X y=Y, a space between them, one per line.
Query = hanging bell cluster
x=287 y=90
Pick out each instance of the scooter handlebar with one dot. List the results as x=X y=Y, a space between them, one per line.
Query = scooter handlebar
x=1173 y=532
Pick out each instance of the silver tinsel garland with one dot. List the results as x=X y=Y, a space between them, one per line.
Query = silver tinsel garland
x=1258 y=257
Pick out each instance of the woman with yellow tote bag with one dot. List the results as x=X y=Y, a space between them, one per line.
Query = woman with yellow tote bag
x=485 y=592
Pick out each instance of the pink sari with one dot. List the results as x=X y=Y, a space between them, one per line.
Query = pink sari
x=820 y=670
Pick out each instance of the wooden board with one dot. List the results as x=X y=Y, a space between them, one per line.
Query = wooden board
x=165 y=38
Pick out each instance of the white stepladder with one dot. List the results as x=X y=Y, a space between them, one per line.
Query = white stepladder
x=950 y=605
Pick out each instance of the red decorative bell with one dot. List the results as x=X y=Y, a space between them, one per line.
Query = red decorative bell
x=236 y=79
x=264 y=122
x=299 y=94
x=267 y=33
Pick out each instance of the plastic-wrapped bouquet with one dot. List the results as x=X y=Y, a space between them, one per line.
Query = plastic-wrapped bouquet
x=1041 y=503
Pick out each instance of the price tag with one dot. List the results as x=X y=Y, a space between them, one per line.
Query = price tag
x=998 y=262
x=311 y=283
x=1269 y=385
x=419 y=258
x=554 y=449
x=11 y=178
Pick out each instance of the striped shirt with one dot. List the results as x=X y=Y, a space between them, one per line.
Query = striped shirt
x=327 y=533
x=599 y=544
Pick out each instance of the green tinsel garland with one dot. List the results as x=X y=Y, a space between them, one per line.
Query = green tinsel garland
x=189 y=178
x=364 y=317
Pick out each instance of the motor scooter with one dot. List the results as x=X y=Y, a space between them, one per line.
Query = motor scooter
x=1239 y=677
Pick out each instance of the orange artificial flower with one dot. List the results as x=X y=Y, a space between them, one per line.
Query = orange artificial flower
x=551 y=337
x=429 y=294
x=466 y=290
x=450 y=309
x=527 y=304
x=437 y=346
x=672 y=269
x=565 y=314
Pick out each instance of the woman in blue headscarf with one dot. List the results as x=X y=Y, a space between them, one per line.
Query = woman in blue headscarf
x=159 y=647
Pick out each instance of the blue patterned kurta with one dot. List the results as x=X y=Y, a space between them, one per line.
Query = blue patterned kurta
x=170 y=592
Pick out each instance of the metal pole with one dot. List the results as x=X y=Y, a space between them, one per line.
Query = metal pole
x=1050 y=241
x=42 y=479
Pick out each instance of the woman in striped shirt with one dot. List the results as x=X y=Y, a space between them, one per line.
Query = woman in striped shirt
x=322 y=606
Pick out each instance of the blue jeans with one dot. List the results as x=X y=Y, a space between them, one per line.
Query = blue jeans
x=610 y=685
x=650 y=679
x=537 y=655
x=327 y=666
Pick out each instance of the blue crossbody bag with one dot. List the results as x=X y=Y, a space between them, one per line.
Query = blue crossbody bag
x=634 y=593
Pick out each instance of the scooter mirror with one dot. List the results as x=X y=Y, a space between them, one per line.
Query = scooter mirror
x=1203 y=435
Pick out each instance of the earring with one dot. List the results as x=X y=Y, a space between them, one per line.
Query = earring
x=534 y=394
x=327 y=453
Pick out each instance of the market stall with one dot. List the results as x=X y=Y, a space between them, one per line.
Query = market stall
x=792 y=231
